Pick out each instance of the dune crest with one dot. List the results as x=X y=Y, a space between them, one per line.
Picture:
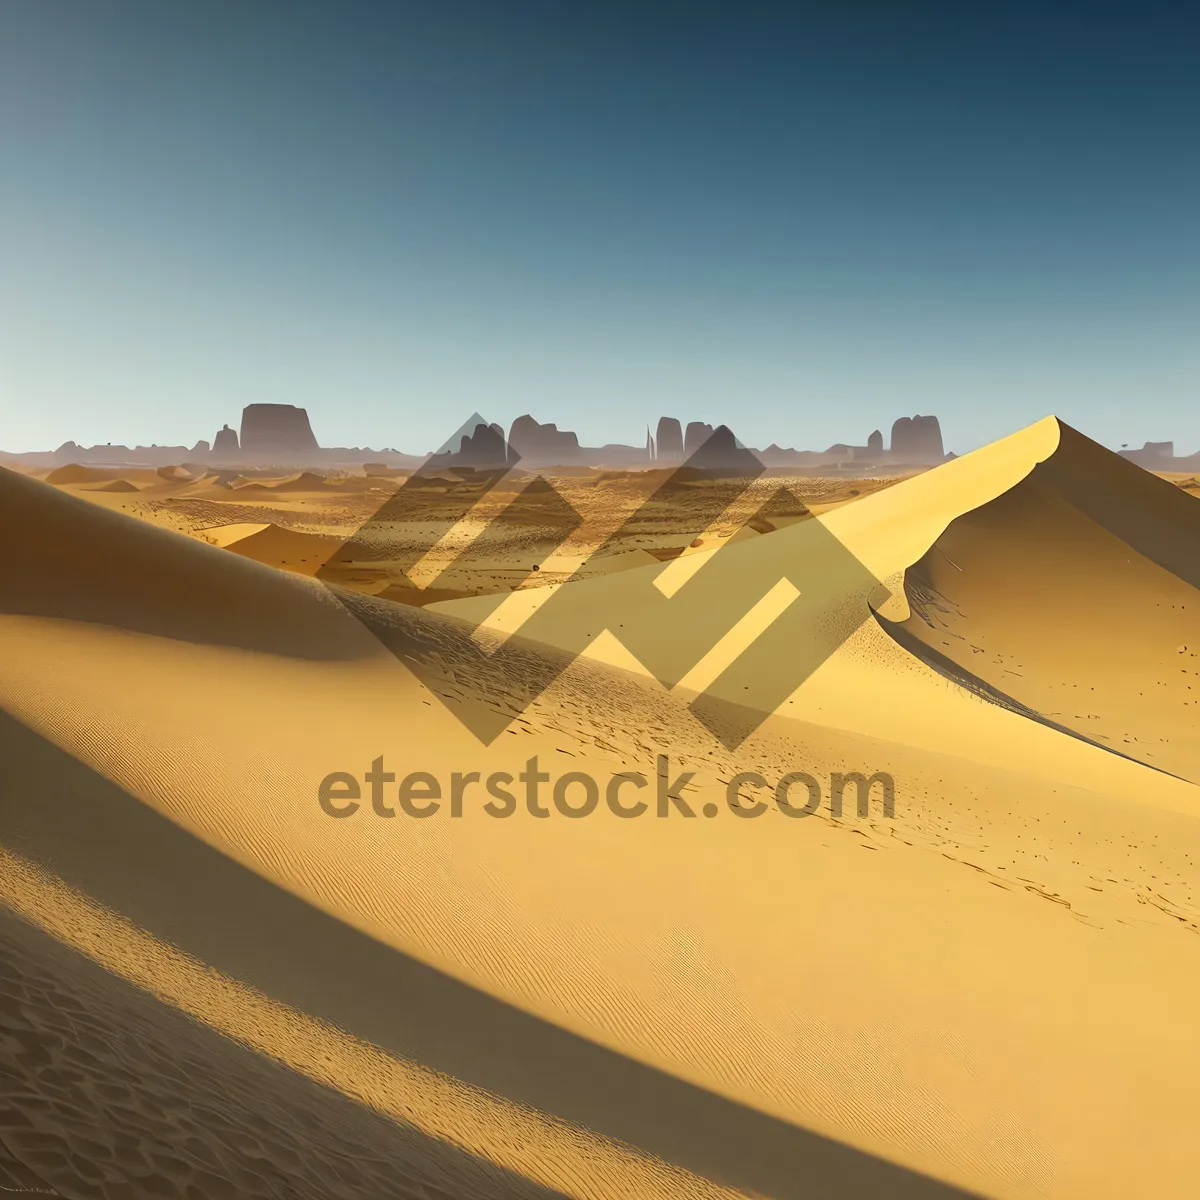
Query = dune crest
x=1074 y=595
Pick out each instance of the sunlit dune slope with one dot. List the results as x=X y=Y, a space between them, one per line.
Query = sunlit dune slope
x=679 y=1007
x=1092 y=605
x=1076 y=594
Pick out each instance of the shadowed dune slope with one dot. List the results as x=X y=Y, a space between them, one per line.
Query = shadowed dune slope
x=119 y=485
x=1076 y=594
x=287 y=549
x=65 y=558
x=203 y=1118
x=73 y=473
x=407 y=1018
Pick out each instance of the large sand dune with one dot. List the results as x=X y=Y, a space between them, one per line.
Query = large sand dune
x=992 y=992
x=1077 y=595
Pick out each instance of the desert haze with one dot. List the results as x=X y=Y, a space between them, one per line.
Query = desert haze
x=211 y=988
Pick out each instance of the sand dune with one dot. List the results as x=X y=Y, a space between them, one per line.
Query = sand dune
x=118 y=485
x=304 y=553
x=951 y=1000
x=226 y=535
x=182 y=472
x=1189 y=483
x=1077 y=595
x=73 y=473
x=132 y=575
x=309 y=481
x=306 y=481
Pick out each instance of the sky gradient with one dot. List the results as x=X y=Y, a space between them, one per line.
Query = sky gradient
x=802 y=222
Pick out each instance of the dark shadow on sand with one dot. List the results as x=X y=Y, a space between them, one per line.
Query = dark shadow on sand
x=91 y=833
x=62 y=557
x=248 y=1117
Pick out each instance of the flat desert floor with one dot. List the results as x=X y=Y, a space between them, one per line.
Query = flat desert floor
x=211 y=988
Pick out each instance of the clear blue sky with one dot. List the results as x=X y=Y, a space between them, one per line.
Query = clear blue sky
x=803 y=222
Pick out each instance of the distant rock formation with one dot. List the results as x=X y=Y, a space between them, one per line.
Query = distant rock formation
x=224 y=451
x=615 y=454
x=482 y=449
x=72 y=452
x=1160 y=456
x=546 y=444
x=721 y=451
x=917 y=439
x=696 y=435
x=226 y=442
x=279 y=435
x=787 y=456
x=276 y=428
x=668 y=442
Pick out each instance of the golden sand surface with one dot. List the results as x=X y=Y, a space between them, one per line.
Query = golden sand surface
x=991 y=992
x=296 y=523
